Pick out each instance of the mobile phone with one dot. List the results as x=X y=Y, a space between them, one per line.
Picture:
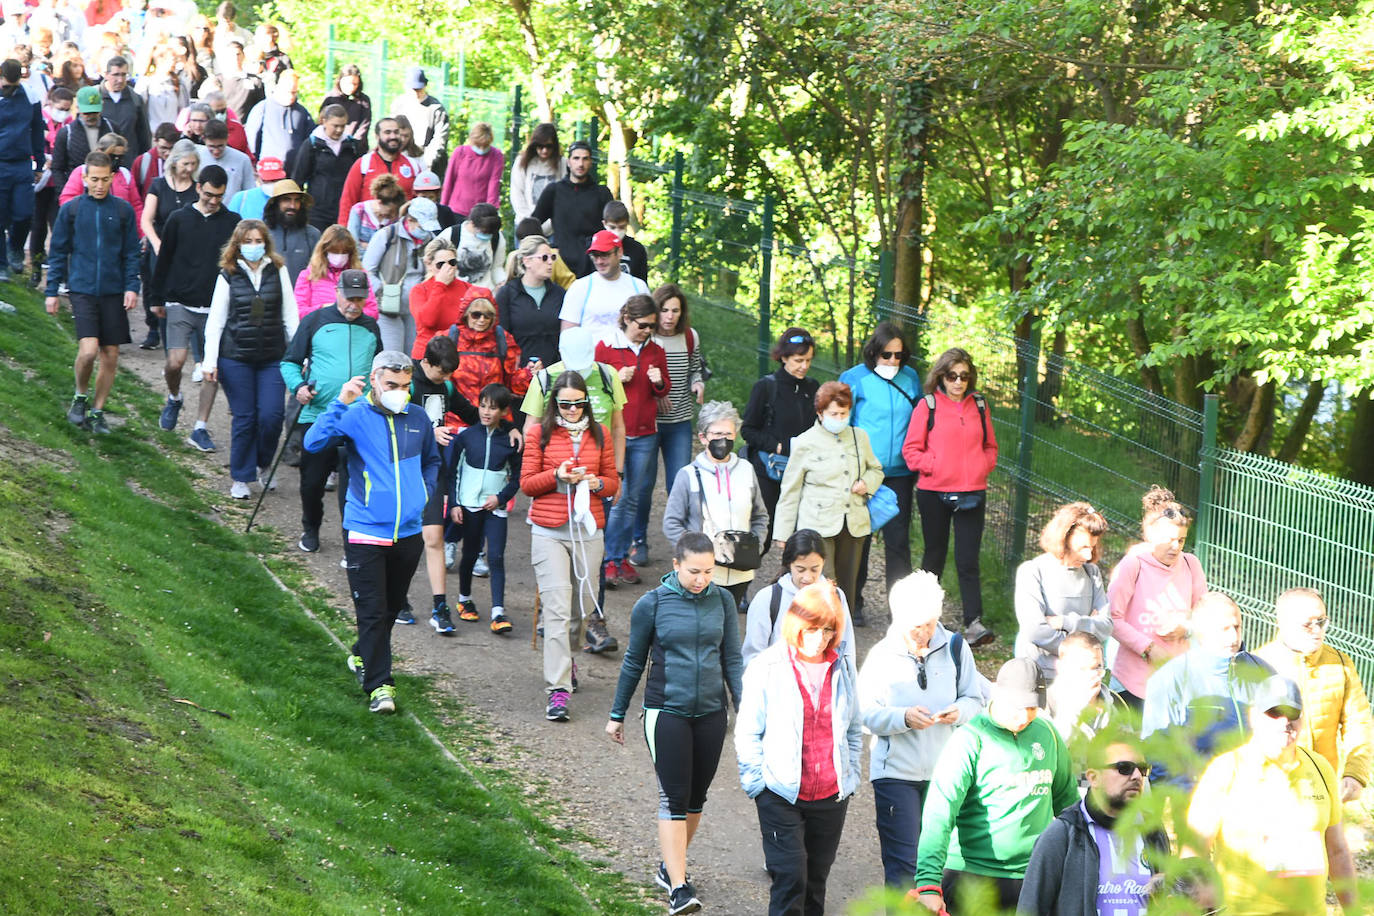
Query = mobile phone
x=582 y=471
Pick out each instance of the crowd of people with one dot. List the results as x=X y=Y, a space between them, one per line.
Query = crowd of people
x=347 y=278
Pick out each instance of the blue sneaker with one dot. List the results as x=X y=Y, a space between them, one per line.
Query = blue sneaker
x=441 y=621
x=406 y=615
x=200 y=438
x=170 y=412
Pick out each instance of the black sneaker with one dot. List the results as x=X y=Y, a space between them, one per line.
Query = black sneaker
x=95 y=422
x=310 y=540
x=406 y=615
x=152 y=341
x=683 y=899
x=440 y=620
x=661 y=878
x=598 y=639
x=76 y=414
x=639 y=554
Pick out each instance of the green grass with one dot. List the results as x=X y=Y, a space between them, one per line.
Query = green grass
x=118 y=798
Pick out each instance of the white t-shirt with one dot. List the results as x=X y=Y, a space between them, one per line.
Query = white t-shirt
x=594 y=302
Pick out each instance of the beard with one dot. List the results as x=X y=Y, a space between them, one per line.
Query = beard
x=287 y=219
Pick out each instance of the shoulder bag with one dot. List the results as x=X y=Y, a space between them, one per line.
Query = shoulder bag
x=734 y=549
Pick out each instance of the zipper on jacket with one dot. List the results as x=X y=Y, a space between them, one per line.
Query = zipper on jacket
x=99 y=246
x=396 y=472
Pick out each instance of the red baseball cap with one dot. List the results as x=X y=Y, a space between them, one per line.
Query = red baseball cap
x=270 y=168
x=603 y=241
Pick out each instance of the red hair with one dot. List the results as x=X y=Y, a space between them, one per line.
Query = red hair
x=816 y=605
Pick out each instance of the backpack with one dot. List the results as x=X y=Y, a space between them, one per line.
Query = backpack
x=978 y=400
x=545 y=380
x=501 y=344
x=145 y=175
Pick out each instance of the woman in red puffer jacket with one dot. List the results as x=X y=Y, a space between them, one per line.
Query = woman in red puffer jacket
x=480 y=362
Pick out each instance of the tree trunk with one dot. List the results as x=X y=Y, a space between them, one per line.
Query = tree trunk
x=1259 y=419
x=539 y=87
x=1359 y=450
x=1140 y=345
x=1054 y=379
x=906 y=279
x=1292 y=443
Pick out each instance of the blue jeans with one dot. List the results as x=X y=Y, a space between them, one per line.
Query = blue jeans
x=675 y=442
x=257 y=399
x=641 y=462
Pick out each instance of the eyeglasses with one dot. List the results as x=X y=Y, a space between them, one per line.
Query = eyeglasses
x=488 y=316
x=451 y=262
x=1174 y=515
x=646 y=325
x=1130 y=767
x=892 y=354
x=571 y=405
x=546 y=258
x=957 y=376
x=797 y=339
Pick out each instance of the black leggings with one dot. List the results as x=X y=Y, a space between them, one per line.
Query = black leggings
x=686 y=752
x=936 y=519
x=479 y=526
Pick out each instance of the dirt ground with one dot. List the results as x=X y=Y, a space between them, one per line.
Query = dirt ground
x=605 y=790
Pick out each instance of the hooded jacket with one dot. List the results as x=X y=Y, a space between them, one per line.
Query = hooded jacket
x=883 y=409
x=358 y=182
x=393 y=464
x=768 y=733
x=317 y=294
x=762 y=630
x=337 y=350
x=321 y=172
x=480 y=365
x=733 y=500
x=953 y=456
x=691 y=643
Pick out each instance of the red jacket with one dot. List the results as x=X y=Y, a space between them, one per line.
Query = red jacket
x=358 y=185
x=641 y=411
x=479 y=365
x=954 y=458
x=437 y=307
x=539 y=477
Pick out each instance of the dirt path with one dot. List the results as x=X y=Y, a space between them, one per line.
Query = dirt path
x=606 y=791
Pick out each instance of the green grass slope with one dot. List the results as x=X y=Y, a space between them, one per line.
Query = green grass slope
x=118 y=798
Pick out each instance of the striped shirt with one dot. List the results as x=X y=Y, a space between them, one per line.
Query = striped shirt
x=683 y=372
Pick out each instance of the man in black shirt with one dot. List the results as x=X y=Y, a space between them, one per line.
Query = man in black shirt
x=575 y=205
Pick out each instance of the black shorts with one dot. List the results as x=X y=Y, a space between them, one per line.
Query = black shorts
x=434 y=509
x=101 y=317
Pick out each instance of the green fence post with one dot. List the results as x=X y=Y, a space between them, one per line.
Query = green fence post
x=329 y=60
x=379 y=78
x=766 y=285
x=675 y=239
x=1021 y=480
x=886 y=264
x=1207 y=469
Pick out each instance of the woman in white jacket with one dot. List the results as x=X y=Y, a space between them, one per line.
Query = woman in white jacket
x=539 y=165
x=916 y=686
x=798 y=740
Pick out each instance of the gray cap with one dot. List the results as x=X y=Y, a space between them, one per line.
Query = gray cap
x=1278 y=692
x=353 y=284
x=1018 y=684
x=394 y=360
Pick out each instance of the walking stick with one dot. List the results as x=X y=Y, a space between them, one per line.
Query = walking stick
x=272 y=475
x=534 y=627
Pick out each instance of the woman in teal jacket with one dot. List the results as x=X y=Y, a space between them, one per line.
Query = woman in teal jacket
x=886 y=390
x=687 y=627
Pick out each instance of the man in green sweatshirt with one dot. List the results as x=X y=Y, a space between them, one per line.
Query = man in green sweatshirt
x=998 y=784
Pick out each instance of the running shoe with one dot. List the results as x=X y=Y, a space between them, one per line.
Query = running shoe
x=76 y=414
x=598 y=639
x=406 y=614
x=384 y=700
x=200 y=438
x=197 y=374
x=152 y=341
x=683 y=899
x=331 y=483
x=439 y=619
x=557 y=710
x=96 y=423
x=170 y=412
x=267 y=478
x=467 y=610
x=480 y=569
x=975 y=634
x=628 y=575
x=310 y=540
x=661 y=878
x=639 y=554
x=239 y=490
x=501 y=625
x=612 y=573
x=355 y=664
x=450 y=554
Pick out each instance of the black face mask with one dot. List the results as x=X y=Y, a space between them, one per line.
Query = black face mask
x=720 y=449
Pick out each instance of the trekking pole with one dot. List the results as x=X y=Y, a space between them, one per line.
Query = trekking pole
x=272 y=475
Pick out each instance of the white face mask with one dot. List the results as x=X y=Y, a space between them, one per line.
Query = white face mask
x=887 y=372
x=338 y=259
x=834 y=426
x=394 y=401
x=582 y=508
x=59 y=116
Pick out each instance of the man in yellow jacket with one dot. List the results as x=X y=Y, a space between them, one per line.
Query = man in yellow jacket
x=1337 y=723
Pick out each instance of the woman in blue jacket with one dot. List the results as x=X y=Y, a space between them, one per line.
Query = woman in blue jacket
x=687 y=628
x=797 y=741
x=886 y=390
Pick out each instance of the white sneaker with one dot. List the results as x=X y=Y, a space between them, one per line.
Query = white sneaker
x=197 y=375
x=240 y=490
x=450 y=554
x=268 y=483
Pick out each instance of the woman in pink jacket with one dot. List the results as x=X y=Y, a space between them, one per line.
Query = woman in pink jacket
x=474 y=173
x=951 y=444
x=318 y=284
x=1152 y=594
x=123 y=186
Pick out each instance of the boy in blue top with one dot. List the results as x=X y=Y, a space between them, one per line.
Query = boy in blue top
x=393 y=466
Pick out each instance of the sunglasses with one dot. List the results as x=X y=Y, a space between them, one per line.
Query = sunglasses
x=646 y=325
x=1130 y=767
x=957 y=376
x=487 y=315
x=451 y=262
x=798 y=338
x=543 y=146
x=404 y=368
x=571 y=405
x=1174 y=515
x=921 y=673
x=892 y=354
x=546 y=258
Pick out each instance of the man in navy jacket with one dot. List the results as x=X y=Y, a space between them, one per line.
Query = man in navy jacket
x=95 y=251
x=21 y=158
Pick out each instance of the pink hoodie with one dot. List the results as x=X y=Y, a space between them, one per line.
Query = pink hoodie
x=313 y=294
x=1147 y=597
x=122 y=187
x=472 y=179
x=953 y=457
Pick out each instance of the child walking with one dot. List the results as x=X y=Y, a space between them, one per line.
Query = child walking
x=486 y=476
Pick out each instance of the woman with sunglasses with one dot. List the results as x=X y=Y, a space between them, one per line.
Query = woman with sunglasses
x=1062 y=590
x=886 y=390
x=539 y=165
x=951 y=444
x=643 y=369
x=798 y=740
x=781 y=405
x=528 y=303
x=568 y=471
x=1152 y=593
x=438 y=301
x=916 y=686
x=487 y=353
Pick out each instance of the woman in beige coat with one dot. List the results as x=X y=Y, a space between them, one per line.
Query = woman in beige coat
x=832 y=473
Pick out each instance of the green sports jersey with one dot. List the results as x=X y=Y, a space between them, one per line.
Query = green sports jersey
x=603 y=401
x=993 y=793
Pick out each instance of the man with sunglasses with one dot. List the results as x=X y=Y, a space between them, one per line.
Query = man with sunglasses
x=1337 y=723
x=1269 y=815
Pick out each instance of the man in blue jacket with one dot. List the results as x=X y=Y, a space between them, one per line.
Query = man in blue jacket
x=393 y=466
x=21 y=159
x=94 y=250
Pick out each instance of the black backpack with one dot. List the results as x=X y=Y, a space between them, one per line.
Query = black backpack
x=978 y=400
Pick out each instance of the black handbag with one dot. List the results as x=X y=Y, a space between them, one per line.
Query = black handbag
x=734 y=549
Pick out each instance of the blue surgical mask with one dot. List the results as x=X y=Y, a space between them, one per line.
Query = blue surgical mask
x=834 y=426
x=251 y=253
x=479 y=151
x=483 y=236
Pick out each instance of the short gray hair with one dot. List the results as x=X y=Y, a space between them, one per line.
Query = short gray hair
x=914 y=600
x=183 y=149
x=713 y=411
